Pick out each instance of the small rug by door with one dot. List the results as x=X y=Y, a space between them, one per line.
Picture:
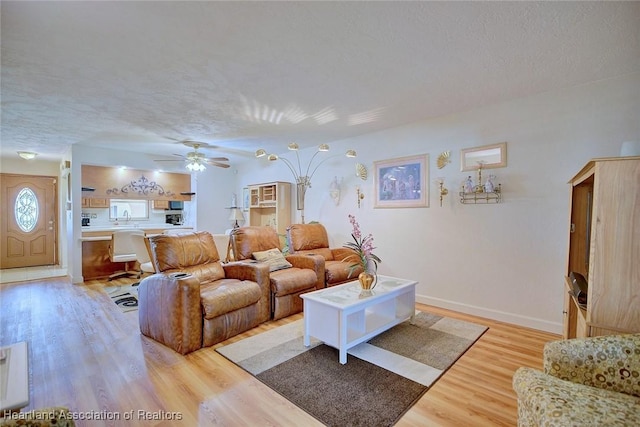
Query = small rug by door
x=381 y=380
x=125 y=297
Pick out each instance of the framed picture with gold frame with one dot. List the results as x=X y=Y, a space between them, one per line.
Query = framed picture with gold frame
x=402 y=182
x=489 y=156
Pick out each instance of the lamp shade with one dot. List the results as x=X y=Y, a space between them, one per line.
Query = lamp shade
x=236 y=215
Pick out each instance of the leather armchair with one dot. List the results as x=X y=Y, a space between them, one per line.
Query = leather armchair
x=313 y=239
x=305 y=275
x=211 y=304
x=586 y=382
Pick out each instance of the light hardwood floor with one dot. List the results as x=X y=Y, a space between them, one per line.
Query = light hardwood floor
x=87 y=355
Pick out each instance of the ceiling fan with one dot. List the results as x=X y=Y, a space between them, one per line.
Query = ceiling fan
x=190 y=142
x=195 y=159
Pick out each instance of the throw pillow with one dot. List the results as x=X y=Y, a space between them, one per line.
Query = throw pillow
x=274 y=258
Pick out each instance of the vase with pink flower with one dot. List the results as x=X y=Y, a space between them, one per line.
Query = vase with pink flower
x=363 y=257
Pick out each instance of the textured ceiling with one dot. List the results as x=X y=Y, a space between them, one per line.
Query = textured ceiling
x=244 y=75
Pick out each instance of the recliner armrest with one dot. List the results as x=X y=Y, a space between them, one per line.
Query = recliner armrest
x=344 y=254
x=170 y=311
x=610 y=362
x=313 y=262
x=256 y=272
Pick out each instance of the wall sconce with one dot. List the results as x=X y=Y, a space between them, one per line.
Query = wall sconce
x=303 y=181
x=442 y=189
x=27 y=155
x=360 y=195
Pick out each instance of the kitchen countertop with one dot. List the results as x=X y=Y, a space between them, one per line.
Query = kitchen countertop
x=139 y=226
x=107 y=230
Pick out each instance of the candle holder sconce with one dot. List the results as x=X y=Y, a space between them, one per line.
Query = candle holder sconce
x=443 y=191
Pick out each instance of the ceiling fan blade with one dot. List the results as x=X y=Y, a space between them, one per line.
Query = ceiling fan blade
x=168 y=160
x=220 y=165
x=217 y=159
x=232 y=151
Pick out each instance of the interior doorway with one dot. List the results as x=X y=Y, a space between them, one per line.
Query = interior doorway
x=28 y=228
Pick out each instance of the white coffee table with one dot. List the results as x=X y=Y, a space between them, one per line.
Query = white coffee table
x=343 y=318
x=14 y=377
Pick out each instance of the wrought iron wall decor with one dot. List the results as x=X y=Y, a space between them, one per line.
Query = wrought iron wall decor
x=141 y=186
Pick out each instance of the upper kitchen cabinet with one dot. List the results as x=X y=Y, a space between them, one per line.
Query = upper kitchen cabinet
x=113 y=182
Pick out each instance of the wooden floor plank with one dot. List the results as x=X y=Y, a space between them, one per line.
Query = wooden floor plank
x=84 y=353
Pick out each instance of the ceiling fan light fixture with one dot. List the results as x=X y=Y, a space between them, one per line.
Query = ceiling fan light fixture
x=196 y=166
x=293 y=146
x=261 y=152
x=351 y=153
x=27 y=155
x=272 y=157
x=323 y=147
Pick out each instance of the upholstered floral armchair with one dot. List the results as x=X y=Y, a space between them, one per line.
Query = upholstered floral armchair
x=586 y=382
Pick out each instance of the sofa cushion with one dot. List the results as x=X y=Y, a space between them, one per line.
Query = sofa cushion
x=274 y=258
x=227 y=295
x=193 y=253
x=248 y=240
x=304 y=237
x=292 y=280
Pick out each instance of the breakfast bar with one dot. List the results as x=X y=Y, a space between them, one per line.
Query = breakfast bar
x=95 y=247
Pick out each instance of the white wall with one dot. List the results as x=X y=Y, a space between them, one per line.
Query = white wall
x=501 y=261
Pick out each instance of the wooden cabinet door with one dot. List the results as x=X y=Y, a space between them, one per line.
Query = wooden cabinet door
x=614 y=287
x=160 y=204
x=98 y=203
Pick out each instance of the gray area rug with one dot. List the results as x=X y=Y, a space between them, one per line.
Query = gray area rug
x=381 y=380
x=125 y=297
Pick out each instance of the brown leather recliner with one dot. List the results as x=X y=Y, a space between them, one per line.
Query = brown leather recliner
x=313 y=239
x=305 y=275
x=213 y=303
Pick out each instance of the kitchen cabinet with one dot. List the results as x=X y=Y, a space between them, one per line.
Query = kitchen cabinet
x=88 y=202
x=160 y=204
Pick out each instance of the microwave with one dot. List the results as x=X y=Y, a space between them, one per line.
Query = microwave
x=176 y=205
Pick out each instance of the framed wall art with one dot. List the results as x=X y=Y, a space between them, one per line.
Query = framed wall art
x=489 y=156
x=402 y=182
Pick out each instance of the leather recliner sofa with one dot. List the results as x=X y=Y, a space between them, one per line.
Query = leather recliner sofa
x=305 y=274
x=210 y=304
x=313 y=239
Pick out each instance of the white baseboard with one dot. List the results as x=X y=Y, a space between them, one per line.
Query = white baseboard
x=501 y=316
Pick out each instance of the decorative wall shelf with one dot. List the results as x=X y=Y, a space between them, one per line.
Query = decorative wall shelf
x=480 y=193
x=482 y=197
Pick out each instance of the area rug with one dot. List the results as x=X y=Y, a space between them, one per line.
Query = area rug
x=381 y=380
x=125 y=297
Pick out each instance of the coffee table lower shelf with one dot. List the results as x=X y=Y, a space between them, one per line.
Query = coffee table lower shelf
x=342 y=318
